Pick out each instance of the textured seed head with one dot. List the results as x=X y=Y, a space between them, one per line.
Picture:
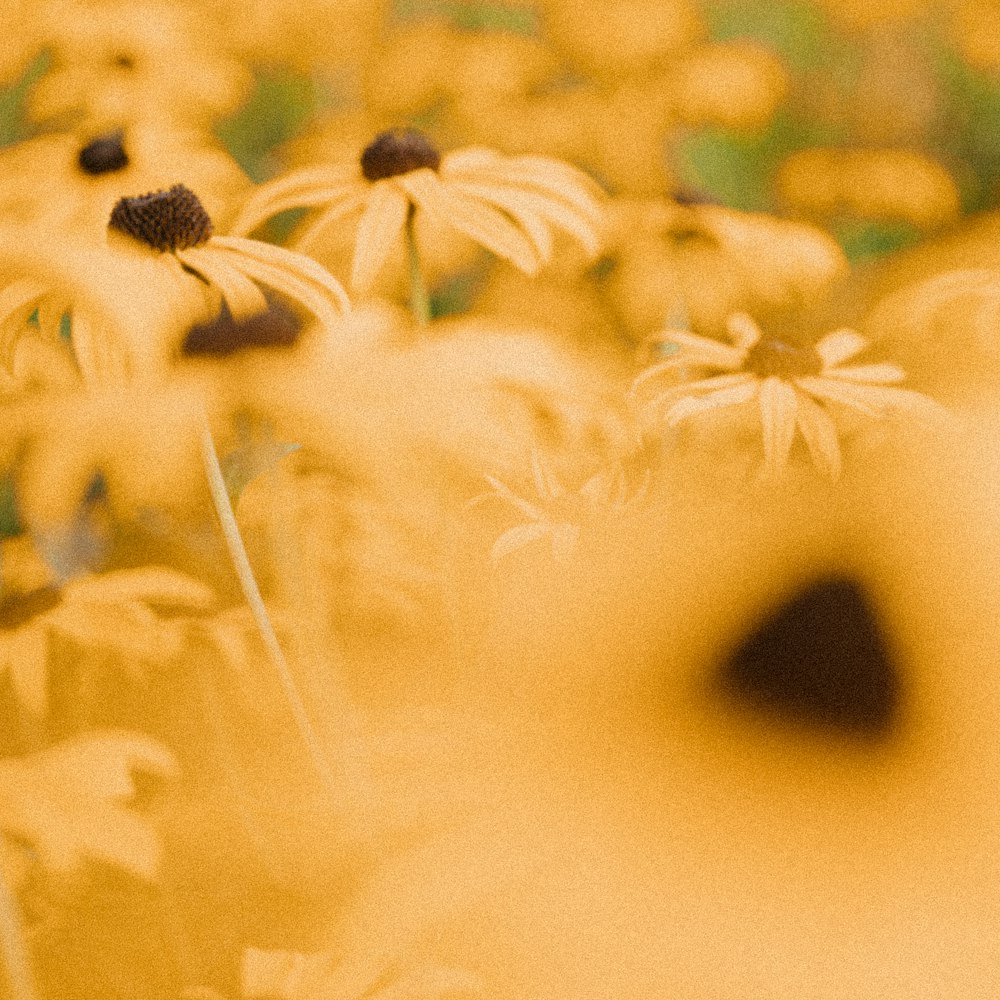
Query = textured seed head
x=774 y=357
x=398 y=152
x=163 y=220
x=105 y=154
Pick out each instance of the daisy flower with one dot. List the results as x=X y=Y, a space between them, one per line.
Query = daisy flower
x=509 y=205
x=558 y=514
x=793 y=387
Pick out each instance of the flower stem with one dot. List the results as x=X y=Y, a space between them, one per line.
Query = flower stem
x=251 y=592
x=15 y=958
x=420 y=303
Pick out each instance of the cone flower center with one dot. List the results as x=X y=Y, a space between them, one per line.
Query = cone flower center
x=396 y=152
x=770 y=357
x=163 y=220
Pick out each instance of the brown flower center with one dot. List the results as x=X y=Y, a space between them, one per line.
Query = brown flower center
x=774 y=357
x=163 y=220
x=396 y=152
x=18 y=608
x=105 y=154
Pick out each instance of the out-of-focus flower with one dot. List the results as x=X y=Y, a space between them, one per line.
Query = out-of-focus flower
x=120 y=64
x=859 y=15
x=559 y=514
x=736 y=85
x=703 y=262
x=111 y=612
x=612 y=37
x=892 y=184
x=507 y=204
x=792 y=386
x=70 y=801
x=976 y=29
x=70 y=182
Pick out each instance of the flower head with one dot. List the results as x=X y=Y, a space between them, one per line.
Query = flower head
x=795 y=387
x=509 y=205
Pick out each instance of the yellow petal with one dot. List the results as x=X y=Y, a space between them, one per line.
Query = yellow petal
x=149 y=584
x=313 y=186
x=479 y=221
x=316 y=232
x=27 y=658
x=379 y=231
x=242 y=296
x=839 y=346
x=820 y=434
x=778 y=409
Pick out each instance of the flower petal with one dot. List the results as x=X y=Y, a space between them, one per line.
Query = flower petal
x=27 y=658
x=504 y=492
x=692 y=405
x=778 y=409
x=695 y=350
x=874 y=374
x=516 y=538
x=315 y=233
x=242 y=296
x=311 y=186
x=379 y=231
x=479 y=221
x=820 y=434
x=839 y=346
x=743 y=331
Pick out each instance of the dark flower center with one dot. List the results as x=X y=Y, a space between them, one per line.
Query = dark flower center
x=105 y=154
x=398 y=152
x=163 y=220
x=18 y=608
x=774 y=357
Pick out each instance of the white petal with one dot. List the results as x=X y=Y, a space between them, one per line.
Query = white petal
x=778 y=408
x=820 y=434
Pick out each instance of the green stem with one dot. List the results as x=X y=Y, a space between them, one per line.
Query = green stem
x=420 y=303
x=251 y=592
x=15 y=957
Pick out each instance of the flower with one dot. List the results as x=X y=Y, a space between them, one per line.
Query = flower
x=793 y=386
x=110 y=611
x=162 y=249
x=509 y=205
x=560 y=513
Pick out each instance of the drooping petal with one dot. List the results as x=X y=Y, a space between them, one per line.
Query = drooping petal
x=882 y=374
x=506 y=493
x=820 y=434
x=695 y=350
x=743 y=331
x=690 y=406
x=778 y=410
x=242 y=296
x=546 y=482
x=379 y=231
x=315 y=233
x=691 y=390
x=312 y=186
x=871 y=400
x=480 y=222
x=527 y=203
x=840 y=345
x=16 y=303
x=516 y=538
x=149 y=584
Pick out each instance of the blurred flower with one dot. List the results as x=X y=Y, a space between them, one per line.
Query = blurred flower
x=70 y=182
x=893 y=184
x=793 y=387
x=120 y=63
x=559 y=514
x=110 y=612
x=976 y=29
x=507 y=204
x=700 y=261
x=70 y=801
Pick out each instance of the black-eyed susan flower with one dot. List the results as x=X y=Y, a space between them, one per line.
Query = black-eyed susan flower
x=559 y=513
x=509 y=205
x=113 y=612
x=161 y=246
x=794 y=387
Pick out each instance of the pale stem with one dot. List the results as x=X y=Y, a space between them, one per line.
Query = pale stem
x=419 y=300
x=251 y=592
x=15 y=957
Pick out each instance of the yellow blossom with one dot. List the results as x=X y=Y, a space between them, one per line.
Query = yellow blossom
x=507 y=204
x=792 y=386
